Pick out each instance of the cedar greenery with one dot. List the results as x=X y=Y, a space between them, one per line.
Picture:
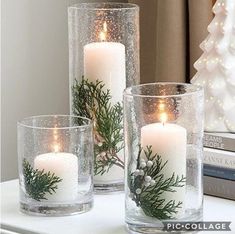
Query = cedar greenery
x=149 y=197
x=39 y=183
x=92 y=100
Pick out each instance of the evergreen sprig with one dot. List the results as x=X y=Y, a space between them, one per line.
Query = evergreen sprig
x=39 y=183
x=148 y=184
x=93 y=100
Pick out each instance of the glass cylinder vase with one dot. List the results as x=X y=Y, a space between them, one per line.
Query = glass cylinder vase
x=103 y=61
x=55 y=157
x=163 y=124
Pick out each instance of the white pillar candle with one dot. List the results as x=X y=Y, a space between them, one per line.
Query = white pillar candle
x=105 y=61
x=168 y=141
x=65 y=166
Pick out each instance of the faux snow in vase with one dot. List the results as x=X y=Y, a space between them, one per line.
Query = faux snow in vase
x=103 y=61
x=163 y=124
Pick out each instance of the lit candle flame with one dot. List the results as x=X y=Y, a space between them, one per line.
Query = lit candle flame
x=103 y=33
x=163 y=118
x=55 y=133
x=161 y=106
x=56 y=148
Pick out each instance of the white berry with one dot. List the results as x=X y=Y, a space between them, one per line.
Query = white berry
x=138 y=191
x=141 y=172
x=147 y=178
x=149 y=163
x=103 y=154
x=143 y=165
x=137 y=172
x=152 y=182
x=100 y=144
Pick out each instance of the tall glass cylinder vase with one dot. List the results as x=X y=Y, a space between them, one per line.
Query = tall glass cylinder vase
x=163 y=124
x=103 y=61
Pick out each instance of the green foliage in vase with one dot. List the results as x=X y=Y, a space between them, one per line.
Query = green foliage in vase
x=39 y=183
x=93 y=100
x=147 y=186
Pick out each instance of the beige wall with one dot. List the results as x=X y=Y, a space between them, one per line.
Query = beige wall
x=34 y=68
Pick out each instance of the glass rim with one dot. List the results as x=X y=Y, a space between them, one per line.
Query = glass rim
x=94 y=6
x=26 y=125
x=196 y=89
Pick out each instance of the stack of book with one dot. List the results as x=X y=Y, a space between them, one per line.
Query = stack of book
x=219 y=164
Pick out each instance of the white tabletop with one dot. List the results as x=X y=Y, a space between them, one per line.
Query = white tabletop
x=107 y=216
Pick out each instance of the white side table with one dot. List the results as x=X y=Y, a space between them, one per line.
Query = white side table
x=107 y=216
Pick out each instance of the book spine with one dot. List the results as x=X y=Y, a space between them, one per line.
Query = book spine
x=219 y=142
x=219 y=187
x=219 y=172
x=219 y=158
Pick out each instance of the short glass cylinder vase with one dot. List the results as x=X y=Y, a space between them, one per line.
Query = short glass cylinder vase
x=55 y=157
x=103 y=61
x=163 y=124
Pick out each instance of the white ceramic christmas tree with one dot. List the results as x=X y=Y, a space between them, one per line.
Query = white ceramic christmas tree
x=216 y=69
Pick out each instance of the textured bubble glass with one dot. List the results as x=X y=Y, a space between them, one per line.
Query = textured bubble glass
x=163 y=124
x=103 y=61
x=55 y=157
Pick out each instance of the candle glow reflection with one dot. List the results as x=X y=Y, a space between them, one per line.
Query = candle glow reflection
x=163 y=118
x=103 y=34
